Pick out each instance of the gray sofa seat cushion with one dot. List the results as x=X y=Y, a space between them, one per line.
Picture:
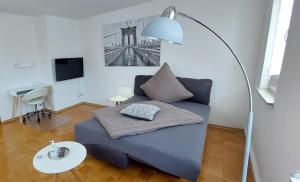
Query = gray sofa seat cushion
x=175 y=150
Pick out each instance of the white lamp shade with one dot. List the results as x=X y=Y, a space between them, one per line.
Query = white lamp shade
x=163 y=28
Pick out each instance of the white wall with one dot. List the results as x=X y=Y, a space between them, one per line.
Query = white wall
x=17 y=44
x=201 y=56
x=59 y=38
x=39 y=40
x=276 y=128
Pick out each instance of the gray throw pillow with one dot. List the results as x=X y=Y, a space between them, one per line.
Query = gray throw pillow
x=165 y=87
x=140 y=111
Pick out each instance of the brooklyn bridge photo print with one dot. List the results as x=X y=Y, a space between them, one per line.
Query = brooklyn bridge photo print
x=124 y=45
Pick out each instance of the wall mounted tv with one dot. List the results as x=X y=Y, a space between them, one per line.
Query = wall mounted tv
x=68 y=68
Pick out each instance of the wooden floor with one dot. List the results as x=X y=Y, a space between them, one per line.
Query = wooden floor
x=18 y=144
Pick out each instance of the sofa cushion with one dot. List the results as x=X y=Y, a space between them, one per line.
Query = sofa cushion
x=165 y=87
x=201 y=88
x=141 y=111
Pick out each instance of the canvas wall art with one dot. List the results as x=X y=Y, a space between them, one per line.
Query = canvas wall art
x=124 y=45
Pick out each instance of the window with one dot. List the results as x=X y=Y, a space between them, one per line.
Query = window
x=278 y=32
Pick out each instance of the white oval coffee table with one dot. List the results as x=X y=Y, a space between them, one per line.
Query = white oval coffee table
x=76 y=156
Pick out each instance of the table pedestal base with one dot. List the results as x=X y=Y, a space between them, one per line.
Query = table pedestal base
x=73 y=171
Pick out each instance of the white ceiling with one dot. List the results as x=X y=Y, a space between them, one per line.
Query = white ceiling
x=75 y=9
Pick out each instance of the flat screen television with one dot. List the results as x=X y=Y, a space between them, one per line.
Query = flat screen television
x=68 y=68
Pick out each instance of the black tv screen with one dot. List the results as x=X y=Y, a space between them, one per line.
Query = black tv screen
x=68 y=68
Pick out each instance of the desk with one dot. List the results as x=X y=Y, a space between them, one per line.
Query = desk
x=18 y=93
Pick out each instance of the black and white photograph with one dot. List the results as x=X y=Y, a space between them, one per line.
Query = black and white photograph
x=124 y=45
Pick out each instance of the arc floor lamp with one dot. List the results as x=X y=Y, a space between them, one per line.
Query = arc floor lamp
x=168 y=29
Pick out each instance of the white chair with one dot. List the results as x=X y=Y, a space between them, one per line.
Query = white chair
x=36 y=97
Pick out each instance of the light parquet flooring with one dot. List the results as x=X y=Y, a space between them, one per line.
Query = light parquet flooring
x=222 y=160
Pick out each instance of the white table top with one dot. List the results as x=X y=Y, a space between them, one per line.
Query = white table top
x=118 y=99
x=45 y=165
x=13 y=92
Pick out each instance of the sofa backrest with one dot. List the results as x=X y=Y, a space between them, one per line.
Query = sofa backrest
x=201 y=88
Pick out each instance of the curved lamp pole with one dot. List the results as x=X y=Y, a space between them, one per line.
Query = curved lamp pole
x=166 y=28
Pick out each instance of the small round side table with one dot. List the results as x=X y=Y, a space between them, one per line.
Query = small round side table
x=76 y=156
x=118 y=99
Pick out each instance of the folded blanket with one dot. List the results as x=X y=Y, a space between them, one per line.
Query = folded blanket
x=118 y=125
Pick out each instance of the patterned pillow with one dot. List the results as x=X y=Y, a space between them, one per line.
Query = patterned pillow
x=140 y=111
